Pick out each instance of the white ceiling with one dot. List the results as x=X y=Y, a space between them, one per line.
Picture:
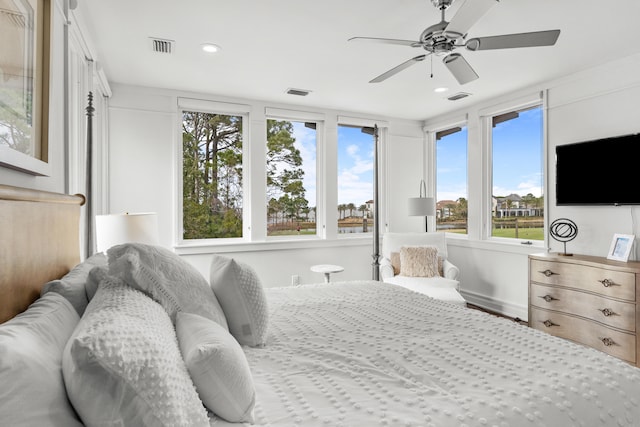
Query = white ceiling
x=270 y=46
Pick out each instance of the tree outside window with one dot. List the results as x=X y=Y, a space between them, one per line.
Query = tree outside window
x=212 y=175
x=291 y=164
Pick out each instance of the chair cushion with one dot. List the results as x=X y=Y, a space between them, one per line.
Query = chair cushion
x=435 y=287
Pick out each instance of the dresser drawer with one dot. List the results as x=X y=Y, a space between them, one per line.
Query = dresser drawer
x=615 y=343
x=611 y=283
x=618 y=314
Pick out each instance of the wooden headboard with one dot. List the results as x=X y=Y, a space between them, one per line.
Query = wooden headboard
x=39 y=242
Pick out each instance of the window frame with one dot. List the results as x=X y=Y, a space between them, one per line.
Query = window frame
x=537 y=100
x=222 y=108
x=306 y=117
x=433 y=143
x=355 y=122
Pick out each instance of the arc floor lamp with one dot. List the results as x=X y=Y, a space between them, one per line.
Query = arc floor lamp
x=423 y=205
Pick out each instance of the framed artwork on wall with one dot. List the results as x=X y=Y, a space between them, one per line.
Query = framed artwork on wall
x=24 y=84
x=621 y=245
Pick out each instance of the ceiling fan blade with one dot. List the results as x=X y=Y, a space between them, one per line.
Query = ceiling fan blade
x=508 y=41
x=410 y=43
x=460 y=68
x=468 y=14
x=397 y=69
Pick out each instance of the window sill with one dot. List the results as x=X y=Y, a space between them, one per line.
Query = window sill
x=209 y=247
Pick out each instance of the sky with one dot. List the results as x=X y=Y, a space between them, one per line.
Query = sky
x=517 y=156
x=517 y=159
x=355 y=163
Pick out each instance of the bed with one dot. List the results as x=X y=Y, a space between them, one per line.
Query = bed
x=360 y=353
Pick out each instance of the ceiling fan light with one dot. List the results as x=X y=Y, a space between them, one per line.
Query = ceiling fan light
x=441 y=89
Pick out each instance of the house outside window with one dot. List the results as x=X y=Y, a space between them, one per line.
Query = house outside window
x=517 y=202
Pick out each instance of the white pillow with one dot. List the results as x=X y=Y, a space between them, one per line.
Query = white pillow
x=73 y=285
x=242 y=298
x=166 y=278
x=419 y=261
x=32 y=391
x=122 y=365
x=218 y=367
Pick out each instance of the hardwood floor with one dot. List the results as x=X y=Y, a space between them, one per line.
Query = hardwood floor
x=516 y=319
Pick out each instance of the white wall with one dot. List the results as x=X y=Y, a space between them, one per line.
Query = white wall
x=144 y=134
x=594 y=103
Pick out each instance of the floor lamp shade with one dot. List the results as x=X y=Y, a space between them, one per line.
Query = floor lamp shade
x=117 y=229
x=421 y=206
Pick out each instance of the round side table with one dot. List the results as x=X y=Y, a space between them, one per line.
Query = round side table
x=327 y=269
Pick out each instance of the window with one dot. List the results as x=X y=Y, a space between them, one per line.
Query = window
x=291 y=178
x=517 y=177
x=451 y=180
x=355 y=179
x=212 y=175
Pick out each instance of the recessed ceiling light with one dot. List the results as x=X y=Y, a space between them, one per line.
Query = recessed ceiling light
x=441 y=89
x=210 y=48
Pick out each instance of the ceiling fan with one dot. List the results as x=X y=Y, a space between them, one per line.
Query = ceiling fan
x=444 y=37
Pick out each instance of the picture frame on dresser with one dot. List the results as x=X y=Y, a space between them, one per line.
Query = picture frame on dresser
x=621 y=245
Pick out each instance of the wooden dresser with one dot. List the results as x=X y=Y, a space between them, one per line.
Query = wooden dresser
x=587 y=299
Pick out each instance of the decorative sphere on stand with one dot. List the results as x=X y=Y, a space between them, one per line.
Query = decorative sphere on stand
x=563 y=230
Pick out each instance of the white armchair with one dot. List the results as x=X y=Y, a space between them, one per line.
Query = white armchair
x=445 y=288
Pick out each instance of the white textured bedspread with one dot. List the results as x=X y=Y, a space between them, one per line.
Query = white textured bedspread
x=373 y=354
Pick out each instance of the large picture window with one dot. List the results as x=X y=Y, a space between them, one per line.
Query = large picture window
x=212 y=175
x=355 y=180
x=291 y=178
x=517 y=176
x=451 y=180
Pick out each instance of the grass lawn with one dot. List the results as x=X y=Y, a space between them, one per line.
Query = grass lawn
x=523 y=233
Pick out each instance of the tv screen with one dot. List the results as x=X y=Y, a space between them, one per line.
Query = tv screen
x=599 y=172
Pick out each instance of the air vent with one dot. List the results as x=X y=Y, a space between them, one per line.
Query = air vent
x=458 y=95
x=161 y=45
x=298 y=92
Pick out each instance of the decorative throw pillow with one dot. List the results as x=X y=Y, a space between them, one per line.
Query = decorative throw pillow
x=166 y=278
x=419 y=261
x=122 y=365
x=72 y=285
x=242 y=298
x=31 y=345
x=218 y=367
x=395 y=262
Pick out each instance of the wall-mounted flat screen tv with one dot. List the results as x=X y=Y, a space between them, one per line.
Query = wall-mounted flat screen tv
x=599 y=172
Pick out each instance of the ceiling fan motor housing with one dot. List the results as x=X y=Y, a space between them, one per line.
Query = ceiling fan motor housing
x=435 y=40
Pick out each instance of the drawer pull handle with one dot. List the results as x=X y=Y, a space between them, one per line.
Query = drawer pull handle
x=606 y=282
x=607 y=341
x=548 y=323
x=547 y=272
x=548 y=298
x=606 y=312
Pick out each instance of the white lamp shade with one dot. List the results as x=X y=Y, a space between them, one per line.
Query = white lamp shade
x=117 y=229
x=421 y=206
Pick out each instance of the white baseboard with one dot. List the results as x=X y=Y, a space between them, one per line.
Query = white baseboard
x=492 y=304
